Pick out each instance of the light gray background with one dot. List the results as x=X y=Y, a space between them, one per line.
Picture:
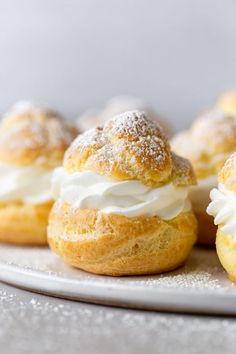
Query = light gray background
x=72 y=54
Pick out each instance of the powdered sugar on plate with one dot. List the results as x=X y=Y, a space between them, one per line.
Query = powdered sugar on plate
x=202 y=271
x=201 y=285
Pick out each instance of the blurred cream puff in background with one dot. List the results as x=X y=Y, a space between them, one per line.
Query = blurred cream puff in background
x=32 y=143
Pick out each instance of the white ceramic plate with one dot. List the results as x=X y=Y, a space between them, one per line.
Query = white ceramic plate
x=200 y=286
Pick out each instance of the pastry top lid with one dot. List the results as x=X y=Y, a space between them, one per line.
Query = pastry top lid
x=30 y=135
x=129 y=146
x=115 y=106
x=208 y=143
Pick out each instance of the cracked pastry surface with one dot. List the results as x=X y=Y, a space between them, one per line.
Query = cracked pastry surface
x=122 y=200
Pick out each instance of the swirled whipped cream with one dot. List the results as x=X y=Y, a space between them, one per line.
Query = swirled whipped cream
x=200 y=194
x=223 y=208
x=27 y=184
x=128 y=198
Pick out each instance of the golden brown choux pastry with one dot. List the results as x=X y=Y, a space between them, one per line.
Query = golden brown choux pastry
x=227 y=102
x=122 y=203
x=223 y=208
x=207 y=144
x=117 y=105
x=32 y=144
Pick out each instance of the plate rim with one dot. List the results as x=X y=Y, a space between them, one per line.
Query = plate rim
x=119 y=295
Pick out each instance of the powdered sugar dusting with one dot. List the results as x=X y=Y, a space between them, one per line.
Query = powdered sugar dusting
x=115 y=106
x=27 y=126
x=134 y=124
x=91 y=138
x=22 y=136
x=68 y=326
x=202 y=272
x=210 y=129
x=125 y=140
x=215 y=125
x=209 y=142
x=182 y=172
x=149 y=147
x=141 y=136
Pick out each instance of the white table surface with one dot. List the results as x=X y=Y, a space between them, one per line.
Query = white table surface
x=32 y=323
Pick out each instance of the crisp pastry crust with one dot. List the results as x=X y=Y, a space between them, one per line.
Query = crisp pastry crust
x=118 y=105
x=35 y=137
x=22 y=223
x=208 y=143
x=225 y=243
x=227 y=102
x=31 y=137
x=129 y=147
x=226 y=251
x=116 y=245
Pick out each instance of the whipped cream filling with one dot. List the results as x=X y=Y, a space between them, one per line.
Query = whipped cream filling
x=128 y=198
x=27 y=184
x=223 y=208
x=200 y=194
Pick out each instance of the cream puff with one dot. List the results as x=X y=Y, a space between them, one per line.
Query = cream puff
x=117 y=105
x=223 y=209
x=207 y=144
x=122 y=204
x=32 y=144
